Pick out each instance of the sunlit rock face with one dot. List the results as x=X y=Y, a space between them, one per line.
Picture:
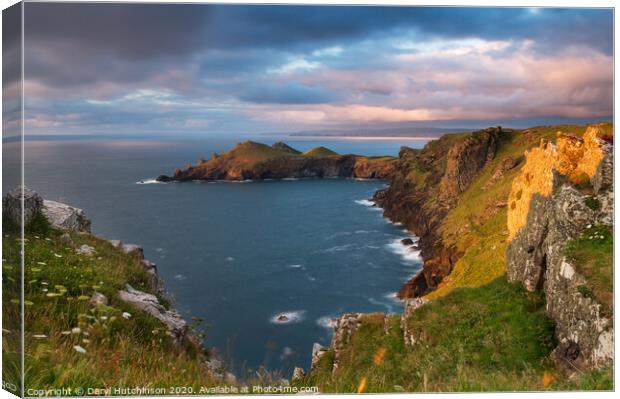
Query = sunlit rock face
x=548 y=206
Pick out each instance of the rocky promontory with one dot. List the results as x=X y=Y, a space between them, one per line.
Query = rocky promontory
x=255 y=161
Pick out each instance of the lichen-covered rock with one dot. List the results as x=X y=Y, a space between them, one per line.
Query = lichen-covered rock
x=150 y=304
x=411 y=305
x=133 y=249
x=546 y=210
x=298 y=374
x=98 y=299
x=85 y=249
x=318 y=351
x=12 y=205
x=65 y=217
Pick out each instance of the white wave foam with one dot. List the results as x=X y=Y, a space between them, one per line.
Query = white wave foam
x=326 y=322
x=338 y=248
x=293 y=316
x=150 y=181
x=406 y=252
x=229 y=259
x=180 y=277
x=310 y=278
x=297 y=267
x=365 y=202
x=290 y=178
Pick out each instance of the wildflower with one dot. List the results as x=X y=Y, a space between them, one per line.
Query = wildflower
x=39 y=336
x=589 y=226
x=66 y=333
x=86 y=341
x=76 y=330
x=104 y=318
x=47 y=239
x=41 y=263
x=126 y=315
x=57 y=255
x=44 y=290
x=79 y=349
x=44 y=283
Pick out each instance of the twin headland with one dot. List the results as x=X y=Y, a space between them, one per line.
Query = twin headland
x=255 y=161
x=515 y=293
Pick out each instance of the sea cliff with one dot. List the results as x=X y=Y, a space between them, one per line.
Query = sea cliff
x=516 y=288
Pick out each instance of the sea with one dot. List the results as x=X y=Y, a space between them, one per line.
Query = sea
x=266 y=265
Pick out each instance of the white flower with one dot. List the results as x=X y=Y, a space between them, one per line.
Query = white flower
x=104 y=317
x=58 y=256
x=39 y=336
x=589 y=226
x=41 y=263
x=76 y=330
x=126 y=315
x=79 y=349
x=66 y=332
x=86 y=341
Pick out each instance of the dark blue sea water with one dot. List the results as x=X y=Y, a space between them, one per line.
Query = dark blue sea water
x=238 y=254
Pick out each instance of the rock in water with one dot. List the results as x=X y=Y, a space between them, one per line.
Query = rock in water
x=406 y=241
x=65 y=217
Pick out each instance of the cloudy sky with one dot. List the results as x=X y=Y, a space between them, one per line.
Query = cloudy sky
x=175 y=69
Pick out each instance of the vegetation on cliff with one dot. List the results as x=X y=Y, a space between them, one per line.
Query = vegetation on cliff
x=74 y=340
x=492 y=338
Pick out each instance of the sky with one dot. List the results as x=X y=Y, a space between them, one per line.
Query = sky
x=238 y=69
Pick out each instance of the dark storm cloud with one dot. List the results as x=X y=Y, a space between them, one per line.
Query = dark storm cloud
x=148 y=66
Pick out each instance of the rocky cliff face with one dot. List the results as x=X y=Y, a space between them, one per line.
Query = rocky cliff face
x=563 y=191
x=425 y=186
x=255 y=161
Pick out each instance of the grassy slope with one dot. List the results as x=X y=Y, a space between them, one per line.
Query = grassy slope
x=492 y=338
x=319 y=152
x=119 y=352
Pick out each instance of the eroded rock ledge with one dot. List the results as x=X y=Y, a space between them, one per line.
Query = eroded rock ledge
x=547 y=208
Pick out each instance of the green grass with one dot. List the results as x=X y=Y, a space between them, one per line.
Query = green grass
x=319 y=152
x=592 y=255
x=492 y=338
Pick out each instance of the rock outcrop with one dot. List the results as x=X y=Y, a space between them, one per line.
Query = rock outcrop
x=547 y=208
x=425 y=187
x=255 y=161
x=411 y=305
x=12 y=205
x=65 y=217
x=150 y=304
